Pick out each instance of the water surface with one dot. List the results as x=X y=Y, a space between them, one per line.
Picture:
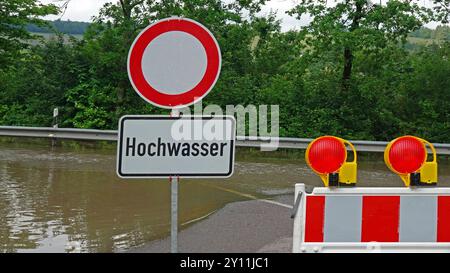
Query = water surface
x=69 y=199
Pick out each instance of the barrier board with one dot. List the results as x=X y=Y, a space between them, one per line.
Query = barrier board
x=372 y=219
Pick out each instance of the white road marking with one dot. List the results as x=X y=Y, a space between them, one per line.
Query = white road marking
x=249 y=196
x=198 y=218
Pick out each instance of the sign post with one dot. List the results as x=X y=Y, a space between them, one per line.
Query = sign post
x=174 y=214
x=174 y=63
x=174 y=147
x=174 y=204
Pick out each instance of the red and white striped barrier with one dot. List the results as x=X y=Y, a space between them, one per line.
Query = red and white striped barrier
x=372 y=220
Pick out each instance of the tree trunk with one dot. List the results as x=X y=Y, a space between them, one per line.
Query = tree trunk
x=347 y=72
x=348 y=55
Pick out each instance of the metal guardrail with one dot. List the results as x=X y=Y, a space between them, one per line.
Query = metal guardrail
x=58 y=133
x=111 y=135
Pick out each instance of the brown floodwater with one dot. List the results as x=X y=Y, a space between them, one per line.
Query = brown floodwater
x=68 y=198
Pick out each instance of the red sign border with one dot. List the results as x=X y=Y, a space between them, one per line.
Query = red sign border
x=153 y=96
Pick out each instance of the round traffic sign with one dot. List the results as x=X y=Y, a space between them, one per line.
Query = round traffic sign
x=407 y=154
x=174 y=62
x=326 y=154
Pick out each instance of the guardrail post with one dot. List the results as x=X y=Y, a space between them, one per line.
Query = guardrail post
x=55 y=124
x=55 y=117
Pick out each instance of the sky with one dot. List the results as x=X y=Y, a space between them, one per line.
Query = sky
x=83 y=10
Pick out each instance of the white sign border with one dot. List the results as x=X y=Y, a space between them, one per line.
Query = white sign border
x=165 y=117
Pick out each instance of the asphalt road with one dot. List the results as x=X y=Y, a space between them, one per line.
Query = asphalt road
x=248 y=226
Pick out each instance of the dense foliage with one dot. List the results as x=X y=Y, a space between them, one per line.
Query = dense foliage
x=15 y=15
x=391 y=90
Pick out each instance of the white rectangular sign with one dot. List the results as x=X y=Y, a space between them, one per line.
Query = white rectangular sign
x=186 y=146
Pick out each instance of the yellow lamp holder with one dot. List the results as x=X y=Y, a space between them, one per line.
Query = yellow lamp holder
x=427 y=174
x=346 y=175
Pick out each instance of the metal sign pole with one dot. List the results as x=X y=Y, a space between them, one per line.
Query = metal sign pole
x=174 y=204
x=174 y=214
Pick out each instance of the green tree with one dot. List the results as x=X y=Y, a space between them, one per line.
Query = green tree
x=33 y=85
x=358 y=25
x=387 y=91
x=423 y=99
x=104 y=50
x=442 y=9
x=15 y=15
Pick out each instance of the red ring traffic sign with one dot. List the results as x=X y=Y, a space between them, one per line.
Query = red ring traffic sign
x=174 y=62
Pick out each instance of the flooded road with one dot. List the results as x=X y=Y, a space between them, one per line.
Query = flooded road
x=69 y=199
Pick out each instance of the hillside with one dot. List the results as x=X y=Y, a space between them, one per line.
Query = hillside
x=66 y=27
x=421 y=37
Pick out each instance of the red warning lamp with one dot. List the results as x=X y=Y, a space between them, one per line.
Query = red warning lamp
x=327 y=157
x=407 y=157
x=327 y=154
x=407 y=154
